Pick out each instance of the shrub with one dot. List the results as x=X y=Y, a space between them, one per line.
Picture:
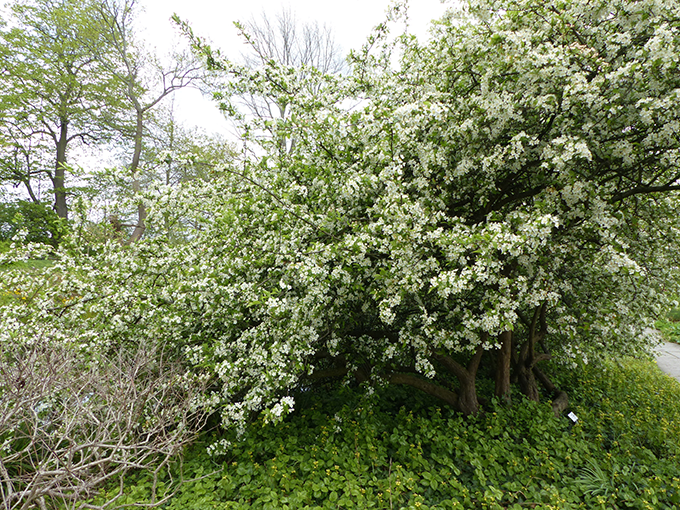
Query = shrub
x=38 y=220
x=70 y=422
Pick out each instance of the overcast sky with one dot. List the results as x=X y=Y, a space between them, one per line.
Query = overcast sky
x=350 y=20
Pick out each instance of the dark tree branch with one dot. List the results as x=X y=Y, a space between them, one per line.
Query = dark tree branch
x=644 y=190
x=435 y=390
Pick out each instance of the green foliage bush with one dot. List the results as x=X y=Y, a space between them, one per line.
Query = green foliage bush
x=674 y=315
x=38 y=220
x=396 y=449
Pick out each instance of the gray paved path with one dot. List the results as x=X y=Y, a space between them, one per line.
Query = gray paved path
x=668 y=359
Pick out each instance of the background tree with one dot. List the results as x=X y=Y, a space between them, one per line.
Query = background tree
x=146 y=83
x=56 y=91
x=23 y=160
x=172 y=156
x=304 y=49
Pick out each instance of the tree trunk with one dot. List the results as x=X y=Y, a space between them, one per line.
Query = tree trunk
x=136 y=186
x=59 y=179
x=138 y=232
x=527 y=382
x=560 y=398
x=29 y=189
x=503 y=359
x=468 y=403
x=527 y=357
x=435 y=390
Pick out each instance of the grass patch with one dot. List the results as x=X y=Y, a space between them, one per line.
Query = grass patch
x=674 y=315
x=670 y=330
x=9 y=294
x=32 y=264
x=341 y=449
x=669 y=326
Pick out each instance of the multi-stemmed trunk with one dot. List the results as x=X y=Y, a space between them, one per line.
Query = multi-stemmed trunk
x=464 y=398
x=503 y=365
x=527 y=355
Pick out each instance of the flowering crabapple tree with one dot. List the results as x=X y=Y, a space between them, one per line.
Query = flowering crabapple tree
x=500 y=196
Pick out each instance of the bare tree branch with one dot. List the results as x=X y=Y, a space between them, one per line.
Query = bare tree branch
x=70 y=423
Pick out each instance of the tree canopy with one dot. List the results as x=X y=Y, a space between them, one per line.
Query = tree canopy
x=76 y=75
x=56 y=93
